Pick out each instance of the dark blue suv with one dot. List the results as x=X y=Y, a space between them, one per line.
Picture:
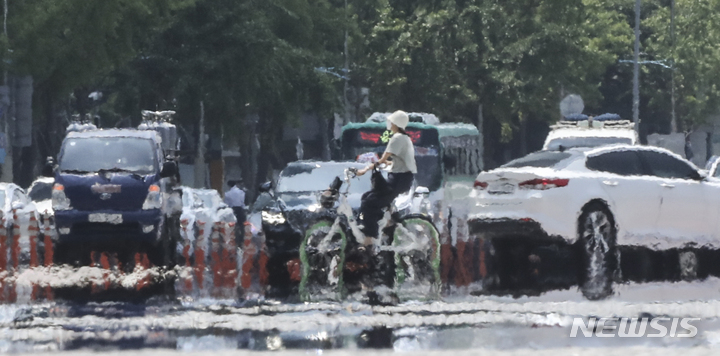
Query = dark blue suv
x=110 y=194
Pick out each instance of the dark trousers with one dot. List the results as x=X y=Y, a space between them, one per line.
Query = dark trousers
x=241 y=217
x=374 y=201
x=240 y=214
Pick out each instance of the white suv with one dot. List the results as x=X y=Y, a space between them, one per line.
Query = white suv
x=598 y=199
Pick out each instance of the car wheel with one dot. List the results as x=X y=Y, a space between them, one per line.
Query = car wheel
x=688 y=264
x=596 y=237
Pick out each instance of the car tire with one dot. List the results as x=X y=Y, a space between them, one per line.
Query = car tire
x=688 y=265
x=596 y=240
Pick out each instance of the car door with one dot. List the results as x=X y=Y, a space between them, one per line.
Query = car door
x=635 y=202
x=684 y=215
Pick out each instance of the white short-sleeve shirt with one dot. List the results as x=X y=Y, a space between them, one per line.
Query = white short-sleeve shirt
x=403 y=154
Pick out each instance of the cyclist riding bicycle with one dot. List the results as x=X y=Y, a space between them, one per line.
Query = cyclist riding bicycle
x=401 y=151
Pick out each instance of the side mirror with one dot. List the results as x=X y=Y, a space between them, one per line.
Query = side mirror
x=169 y=169
x=16 y=205
x=265 y=187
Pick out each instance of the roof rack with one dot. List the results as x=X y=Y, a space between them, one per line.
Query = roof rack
x=608 y=121
x=418 y=117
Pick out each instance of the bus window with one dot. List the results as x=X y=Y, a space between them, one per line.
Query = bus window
x=358 y=139
x=462 y=145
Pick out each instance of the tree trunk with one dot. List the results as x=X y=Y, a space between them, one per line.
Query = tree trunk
x=523 y=134
x=264 y=137
x=481 y=139
x=82 y=102
x=200 y=170
x=325 y=137
x=8 y=170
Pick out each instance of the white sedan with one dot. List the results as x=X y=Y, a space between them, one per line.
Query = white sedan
x=599 y=199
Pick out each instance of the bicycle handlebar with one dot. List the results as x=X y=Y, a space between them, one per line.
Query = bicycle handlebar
x=351 y=172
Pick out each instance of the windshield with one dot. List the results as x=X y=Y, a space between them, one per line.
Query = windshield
x=315 y=178
x=40 y=191
x=542 y=159
x=92 y=154
x=570 y=142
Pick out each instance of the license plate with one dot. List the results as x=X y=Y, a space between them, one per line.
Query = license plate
x=106 y=218
x=503 y=188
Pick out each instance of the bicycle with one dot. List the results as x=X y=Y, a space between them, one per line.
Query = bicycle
x=336 y=257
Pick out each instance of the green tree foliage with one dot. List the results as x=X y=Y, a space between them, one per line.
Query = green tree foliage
x=67 y=44
x=514 y=57
x=695 y=56
x=241 y=58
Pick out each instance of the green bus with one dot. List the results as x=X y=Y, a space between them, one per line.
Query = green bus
x=448 y=152
x=359 y=138
x=449 y=157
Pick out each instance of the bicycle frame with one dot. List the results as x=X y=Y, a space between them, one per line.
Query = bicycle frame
x=392 y=216
x=330 y=238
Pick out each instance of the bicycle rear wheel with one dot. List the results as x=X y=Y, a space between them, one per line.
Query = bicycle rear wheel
x=416 y=243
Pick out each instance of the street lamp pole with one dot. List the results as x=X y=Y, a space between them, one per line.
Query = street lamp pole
x=636 y=69
x=7 y=167
x=346 y=85
x=673 y=121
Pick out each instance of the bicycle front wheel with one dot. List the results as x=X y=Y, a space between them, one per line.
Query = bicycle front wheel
x=416 y=244
x=322 y=257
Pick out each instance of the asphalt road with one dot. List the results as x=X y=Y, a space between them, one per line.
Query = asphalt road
x=461 y=324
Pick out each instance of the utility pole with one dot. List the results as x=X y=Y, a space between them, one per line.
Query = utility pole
x=7 y=169
x=636 y=69
x=673 y=121
x=346 y=86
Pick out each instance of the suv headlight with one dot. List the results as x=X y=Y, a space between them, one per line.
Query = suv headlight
x=60 y=201
x=153 y=199
x=273 y=217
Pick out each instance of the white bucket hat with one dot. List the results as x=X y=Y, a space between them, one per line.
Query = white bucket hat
x=399 y=118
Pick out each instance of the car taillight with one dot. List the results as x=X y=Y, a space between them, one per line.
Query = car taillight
x=543 y=183
x=480 y=185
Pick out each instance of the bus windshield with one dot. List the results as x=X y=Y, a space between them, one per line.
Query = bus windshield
x=373 y=138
